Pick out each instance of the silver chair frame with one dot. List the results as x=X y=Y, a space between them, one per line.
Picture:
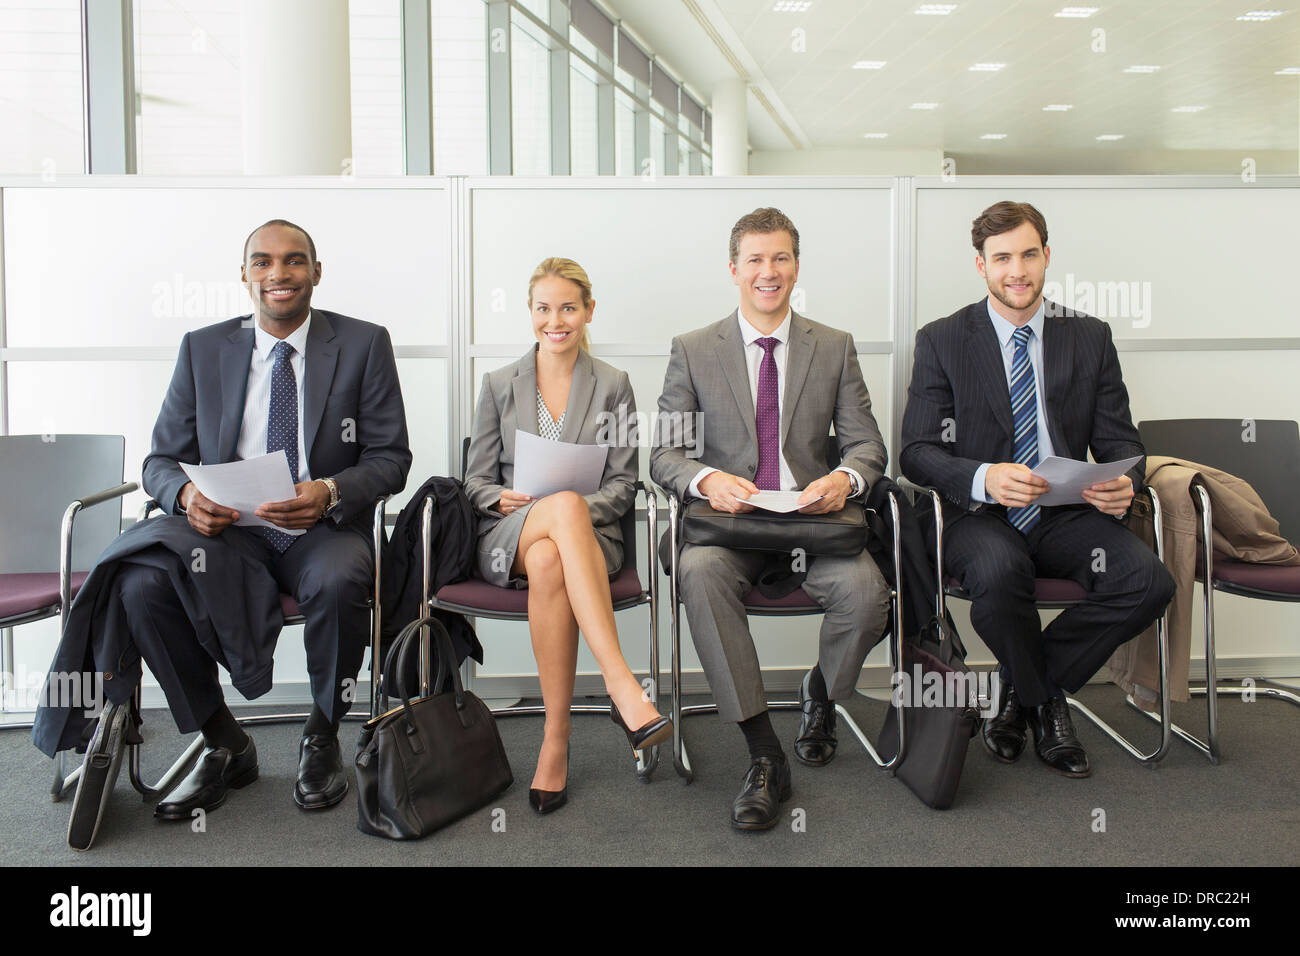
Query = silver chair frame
x=1210 y=690
x=681 y=760
x=62 y=780
x=645 y=765
x=1162 y=639
x=182 y=764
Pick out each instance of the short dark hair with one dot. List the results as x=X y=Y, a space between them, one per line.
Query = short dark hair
x=1003 y=217
x=762 y=220
x=311 y=246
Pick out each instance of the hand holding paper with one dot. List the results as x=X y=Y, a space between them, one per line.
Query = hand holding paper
x=1069 y=478
x=544 y=467
x=246 y=485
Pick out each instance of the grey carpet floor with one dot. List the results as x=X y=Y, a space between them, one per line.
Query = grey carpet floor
x=1183 y=812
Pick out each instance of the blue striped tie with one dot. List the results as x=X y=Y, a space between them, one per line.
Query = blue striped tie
x=1024 y=418
x=282 y=427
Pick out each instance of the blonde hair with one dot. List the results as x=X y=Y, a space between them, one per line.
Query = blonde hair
x=562 y=268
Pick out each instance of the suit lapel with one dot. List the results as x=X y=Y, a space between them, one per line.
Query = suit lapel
x=1058 y=367
x=731 y=356
x=524 y=386
x=319 y=363
x=235 y=359
x=987 y=355
x=797 y=362
x=581 y=391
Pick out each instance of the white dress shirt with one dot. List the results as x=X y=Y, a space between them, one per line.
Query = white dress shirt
x=753 y=362
x=1005 y=330
x=257 y=396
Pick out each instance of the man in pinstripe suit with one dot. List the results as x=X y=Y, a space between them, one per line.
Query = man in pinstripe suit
x=997 y=387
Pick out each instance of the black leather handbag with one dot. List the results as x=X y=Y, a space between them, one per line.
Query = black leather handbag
x=936 y=736
x=432 y=760
x=840 y=533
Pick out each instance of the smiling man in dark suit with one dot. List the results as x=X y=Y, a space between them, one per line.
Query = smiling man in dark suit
x=236 y=393
x=997 y=387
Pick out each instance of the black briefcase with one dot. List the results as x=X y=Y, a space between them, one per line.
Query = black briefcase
x=936 y=737
x=840 y=533
x=432 y=760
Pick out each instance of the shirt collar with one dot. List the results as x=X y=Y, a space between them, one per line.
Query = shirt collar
x=752 y=335
x=1005 y=329
x=264 y=341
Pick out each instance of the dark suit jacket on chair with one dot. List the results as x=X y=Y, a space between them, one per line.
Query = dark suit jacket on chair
x=959 y=392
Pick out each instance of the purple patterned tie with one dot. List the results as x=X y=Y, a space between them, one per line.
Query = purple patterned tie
x=767 y=419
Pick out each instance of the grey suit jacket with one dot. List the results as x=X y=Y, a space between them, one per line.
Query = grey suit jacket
x=354 y=423
x=959 y=407
x=508 y=403
x=707 y=377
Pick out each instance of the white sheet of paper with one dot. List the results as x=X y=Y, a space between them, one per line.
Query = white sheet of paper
x=245 y=485
x=1068 y=477
x=543 y=467
x=782 y=501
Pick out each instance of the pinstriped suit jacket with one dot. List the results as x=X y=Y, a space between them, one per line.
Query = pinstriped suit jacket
x=959 y=407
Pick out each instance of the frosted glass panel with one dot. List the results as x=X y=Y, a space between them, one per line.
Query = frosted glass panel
x=1130 y=257
x=132 y=266
x=424 y=393
x=657 y=256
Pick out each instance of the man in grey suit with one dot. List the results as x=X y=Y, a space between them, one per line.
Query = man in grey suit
x=765 y=386
x=236 y=394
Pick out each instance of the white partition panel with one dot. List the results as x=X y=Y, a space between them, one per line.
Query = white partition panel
x=1158 y=260
x=656 y=252
x=94 y=265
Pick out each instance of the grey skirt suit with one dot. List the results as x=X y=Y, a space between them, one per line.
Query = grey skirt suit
x=507 y=403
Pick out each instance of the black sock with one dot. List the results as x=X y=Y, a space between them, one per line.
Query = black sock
x=817 y=686
x=318 y=724
x=760 y=737
x=222 y=730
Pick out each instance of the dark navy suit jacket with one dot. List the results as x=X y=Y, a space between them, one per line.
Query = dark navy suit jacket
x=959 y=392
x=354 y=430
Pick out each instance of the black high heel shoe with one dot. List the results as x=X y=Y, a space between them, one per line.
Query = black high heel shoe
x=547 y=801
x=655 y=732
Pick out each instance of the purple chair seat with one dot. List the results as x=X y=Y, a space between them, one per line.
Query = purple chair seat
x=25 y=593
x=794 y=601
x=488 y=598
x=1046 y=590
x=1271 y=579
x=289 y=606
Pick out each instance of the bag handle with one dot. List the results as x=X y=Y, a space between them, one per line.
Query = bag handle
x=400 y=652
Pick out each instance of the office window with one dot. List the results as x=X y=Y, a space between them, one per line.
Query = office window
x=530 y=103
x=460 y=125
x=375 y=52
x=657 y=145
x=584 y=159
x=624 y=135
x=40 y=87
x=187 y=83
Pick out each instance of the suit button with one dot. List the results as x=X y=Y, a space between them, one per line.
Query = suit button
x=108 y=675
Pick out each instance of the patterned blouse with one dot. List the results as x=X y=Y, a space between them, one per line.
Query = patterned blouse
x=547 y=427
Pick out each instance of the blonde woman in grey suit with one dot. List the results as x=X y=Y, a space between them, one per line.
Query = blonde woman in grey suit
x=564 y=547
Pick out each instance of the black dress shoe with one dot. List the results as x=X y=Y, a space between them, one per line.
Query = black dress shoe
x=321 y=780
x=815 y=743
x=1004 y=735
x=656 y=731
x=766 y=787
x=546 y=801
x=1054 y=738
x=218 y=771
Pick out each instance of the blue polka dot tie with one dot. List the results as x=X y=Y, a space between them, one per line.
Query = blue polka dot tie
x=282 y=427
x=1024 y=420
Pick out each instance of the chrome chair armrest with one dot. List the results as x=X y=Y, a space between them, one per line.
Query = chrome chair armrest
x=65 y=539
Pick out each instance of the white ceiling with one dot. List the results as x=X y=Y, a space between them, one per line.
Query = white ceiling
x=1206 y=57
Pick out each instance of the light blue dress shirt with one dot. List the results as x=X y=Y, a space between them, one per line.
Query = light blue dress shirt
x=1005 y=330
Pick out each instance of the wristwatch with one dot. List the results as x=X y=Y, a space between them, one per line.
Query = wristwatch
x=854 y=487
x=332 y=485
